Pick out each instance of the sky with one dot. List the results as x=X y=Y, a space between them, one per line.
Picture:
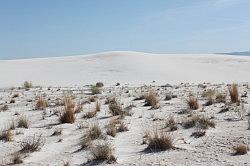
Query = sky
x=45 y=28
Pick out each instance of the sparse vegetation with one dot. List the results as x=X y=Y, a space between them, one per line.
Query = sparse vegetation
x=201 y=122
x=151 y=99
x=159 y=141
x=95 y=90
x=27 y=85
x=32 y=144
x=23 y=122
x=94 y=132
x=41 y=103
x=192 y=102
x=115 y=108
x=103 y=152
x=97 y=107
x=234 y=93
x=68 y=113
x=171 y=124
x=6 y=135
x=240 y=149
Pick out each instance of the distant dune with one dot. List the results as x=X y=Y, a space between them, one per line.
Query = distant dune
x=125 y=67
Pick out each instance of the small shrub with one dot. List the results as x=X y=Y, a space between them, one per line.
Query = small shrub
x=111 y=130
x=115 y=108
x=68 y=102
x=95 y=90
x=41 y=103
x=94 y=132
x=23 y=122
x=151 y=99
x=122 y=127
x=190 y=122
x=32 y=144
x=192 y=103
x=234 y=93
x=205 y=123
x=103 y=152
x=159 y=141
x=85 y=142
x=27 y=85
x=240 y=149
x=6 y=135
x=171 y=123
x=220 y=98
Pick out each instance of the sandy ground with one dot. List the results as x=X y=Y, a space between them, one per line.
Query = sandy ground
x=214 y=148
x=132 y=68
x=136 y=72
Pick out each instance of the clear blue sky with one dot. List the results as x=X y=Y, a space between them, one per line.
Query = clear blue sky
x=42 y=28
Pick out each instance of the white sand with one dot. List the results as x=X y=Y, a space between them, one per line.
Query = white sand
x=125 y=67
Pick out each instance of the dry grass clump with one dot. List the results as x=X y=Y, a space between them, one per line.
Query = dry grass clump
x=240 y=149
x=116 y=125
x=234 y=93
x=94 y=132
x=6 y=135
x=205 y=122
x=41 y=103
x=192 y=102
x=111 y=130
x=122 y=127
x=171 y=123
x=95 y=90
x=68 y=113
x=115 y=108
x=27 y=85
x=201 y=122
x=85 y=142
x=159 y=141
x=32 y=144
x=68 y=102
x=103 y=152
x=151 y=99
x=221 y=98
x=23 y=122
x=190 y=122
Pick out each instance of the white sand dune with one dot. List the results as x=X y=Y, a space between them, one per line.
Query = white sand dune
x=125 y=67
